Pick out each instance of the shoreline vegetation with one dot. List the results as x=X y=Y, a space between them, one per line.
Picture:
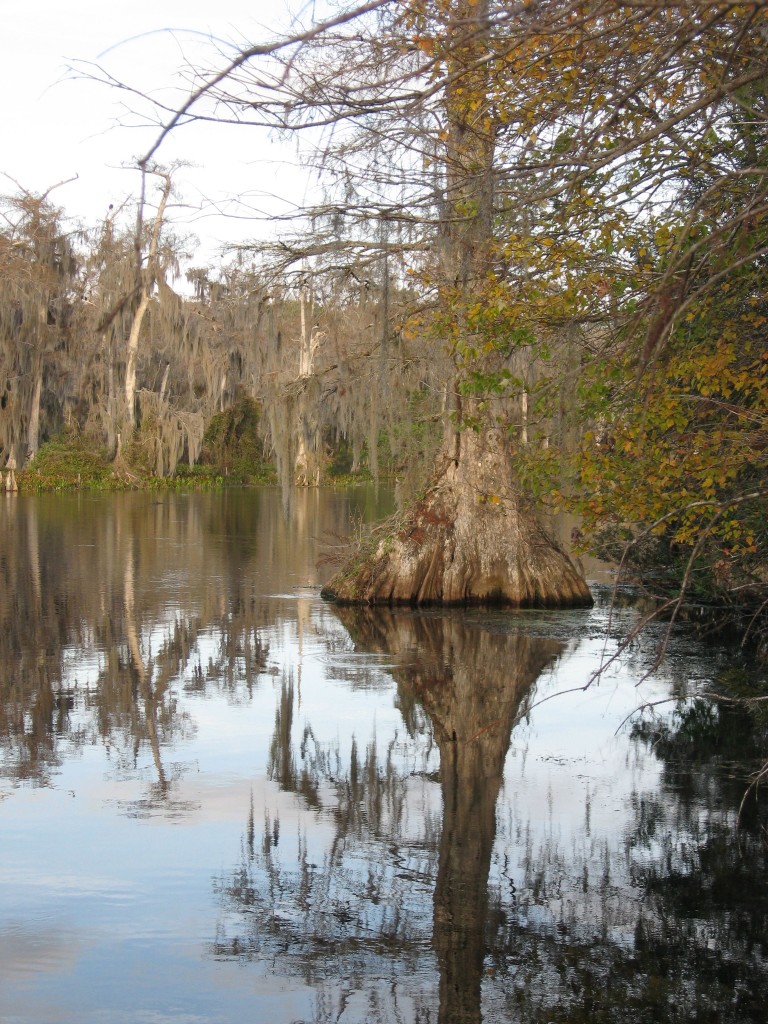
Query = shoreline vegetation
x=72 y=464
x=233 y=454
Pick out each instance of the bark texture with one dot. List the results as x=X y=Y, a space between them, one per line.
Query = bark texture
x=472 y=539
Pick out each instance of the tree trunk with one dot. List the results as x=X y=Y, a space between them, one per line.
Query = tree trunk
x=33 y=429
x=147 y=275
x=306 y=468
x=132 y=352
x=11 y=485
x=472 y=539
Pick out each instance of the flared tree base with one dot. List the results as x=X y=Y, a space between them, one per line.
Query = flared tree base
x=472 y=539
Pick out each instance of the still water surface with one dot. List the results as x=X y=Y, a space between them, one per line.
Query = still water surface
x=223 y=800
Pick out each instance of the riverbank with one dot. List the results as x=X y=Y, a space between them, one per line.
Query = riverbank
x=73 y=464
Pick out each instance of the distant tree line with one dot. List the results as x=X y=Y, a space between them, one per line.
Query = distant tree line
x=109 y=335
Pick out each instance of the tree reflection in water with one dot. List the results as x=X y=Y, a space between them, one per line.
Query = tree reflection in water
x=381 y=865
x=474 y=685
x=77 y=591
x=364 y=914
x=387 y=921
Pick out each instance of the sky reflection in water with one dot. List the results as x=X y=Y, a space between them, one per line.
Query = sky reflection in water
x=223 y=800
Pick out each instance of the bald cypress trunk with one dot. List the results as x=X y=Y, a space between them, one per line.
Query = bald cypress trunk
x=472 y=539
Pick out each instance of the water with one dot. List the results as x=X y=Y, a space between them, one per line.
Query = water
x=223 y=800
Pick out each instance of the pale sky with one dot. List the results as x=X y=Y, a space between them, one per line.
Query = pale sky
x=54 y=126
